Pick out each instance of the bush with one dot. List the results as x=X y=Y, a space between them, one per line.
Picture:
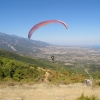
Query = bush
x=83 y=97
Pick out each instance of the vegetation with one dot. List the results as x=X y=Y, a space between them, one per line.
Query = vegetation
x=83 y=97
x=14 y=67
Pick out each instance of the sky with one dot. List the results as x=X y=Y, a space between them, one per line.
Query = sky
x=17 y=17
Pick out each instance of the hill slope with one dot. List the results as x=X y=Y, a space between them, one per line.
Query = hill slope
x=20 y=45
x=21 y=68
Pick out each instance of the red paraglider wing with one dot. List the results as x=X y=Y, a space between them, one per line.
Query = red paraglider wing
x=34 y=28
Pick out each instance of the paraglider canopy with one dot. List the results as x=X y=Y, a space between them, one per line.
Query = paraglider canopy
x=35 y=27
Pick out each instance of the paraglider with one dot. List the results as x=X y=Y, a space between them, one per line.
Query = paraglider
x=52 y=57
x=34 y=28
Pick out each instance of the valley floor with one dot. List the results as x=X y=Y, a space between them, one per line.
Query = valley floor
x=46 y=91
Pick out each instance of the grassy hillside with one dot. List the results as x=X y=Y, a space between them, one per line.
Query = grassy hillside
x=14 y=67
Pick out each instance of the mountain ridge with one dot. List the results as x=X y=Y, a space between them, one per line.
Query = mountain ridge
x=21 y=45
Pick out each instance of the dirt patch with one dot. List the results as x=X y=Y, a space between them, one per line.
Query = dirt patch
x=45 y=91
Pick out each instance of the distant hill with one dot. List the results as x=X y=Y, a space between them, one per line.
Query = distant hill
x=21 y=45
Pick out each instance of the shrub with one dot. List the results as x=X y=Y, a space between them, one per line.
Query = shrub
x=83 y=97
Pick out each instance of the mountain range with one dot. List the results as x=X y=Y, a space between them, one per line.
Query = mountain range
x=21 y=45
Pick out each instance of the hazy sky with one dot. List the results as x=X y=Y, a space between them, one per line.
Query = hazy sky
x=17 y=17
